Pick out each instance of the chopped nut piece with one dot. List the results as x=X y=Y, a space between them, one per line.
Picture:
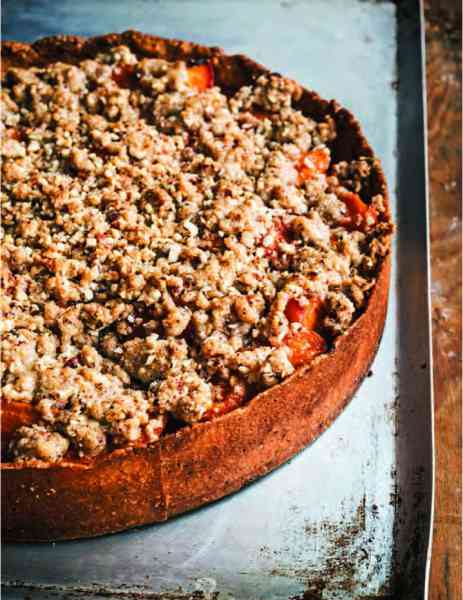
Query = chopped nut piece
x=186 y=395
x=40 y=443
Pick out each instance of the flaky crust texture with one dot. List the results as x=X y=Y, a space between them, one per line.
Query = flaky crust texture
x=206 y=461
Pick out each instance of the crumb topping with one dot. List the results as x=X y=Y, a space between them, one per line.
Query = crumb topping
x=168 y=250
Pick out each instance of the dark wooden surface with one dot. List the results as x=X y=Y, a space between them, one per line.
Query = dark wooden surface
x=443 y=70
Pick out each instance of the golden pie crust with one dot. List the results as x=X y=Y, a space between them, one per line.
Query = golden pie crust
x=208 y=460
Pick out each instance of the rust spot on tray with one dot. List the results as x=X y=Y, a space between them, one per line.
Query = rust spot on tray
x=98 y=591
x=347 y=549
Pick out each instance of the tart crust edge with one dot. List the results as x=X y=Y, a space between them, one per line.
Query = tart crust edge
x=135 y=486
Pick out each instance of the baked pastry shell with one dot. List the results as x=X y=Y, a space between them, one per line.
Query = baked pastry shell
x=206 y=461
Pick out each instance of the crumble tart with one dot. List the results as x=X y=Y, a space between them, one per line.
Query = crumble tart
x=195 y=274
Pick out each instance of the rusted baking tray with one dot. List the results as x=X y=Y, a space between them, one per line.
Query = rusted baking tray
x=350 y=516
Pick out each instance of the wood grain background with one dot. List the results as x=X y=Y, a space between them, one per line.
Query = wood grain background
x=443 y=70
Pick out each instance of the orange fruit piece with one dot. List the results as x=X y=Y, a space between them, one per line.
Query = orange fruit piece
x=313 y=163
x=304 y=345
x=307 y=314
x=201 y=77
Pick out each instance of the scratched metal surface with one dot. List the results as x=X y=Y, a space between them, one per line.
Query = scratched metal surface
x=349 y=516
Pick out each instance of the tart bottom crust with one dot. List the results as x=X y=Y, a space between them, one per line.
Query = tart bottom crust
x=204 y=462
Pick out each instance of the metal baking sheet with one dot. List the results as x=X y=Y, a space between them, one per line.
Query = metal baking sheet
x=350 y=516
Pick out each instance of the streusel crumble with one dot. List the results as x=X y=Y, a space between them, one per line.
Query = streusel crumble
x=169 y=250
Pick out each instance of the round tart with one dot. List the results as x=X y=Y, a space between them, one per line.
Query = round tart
x=195 y=277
